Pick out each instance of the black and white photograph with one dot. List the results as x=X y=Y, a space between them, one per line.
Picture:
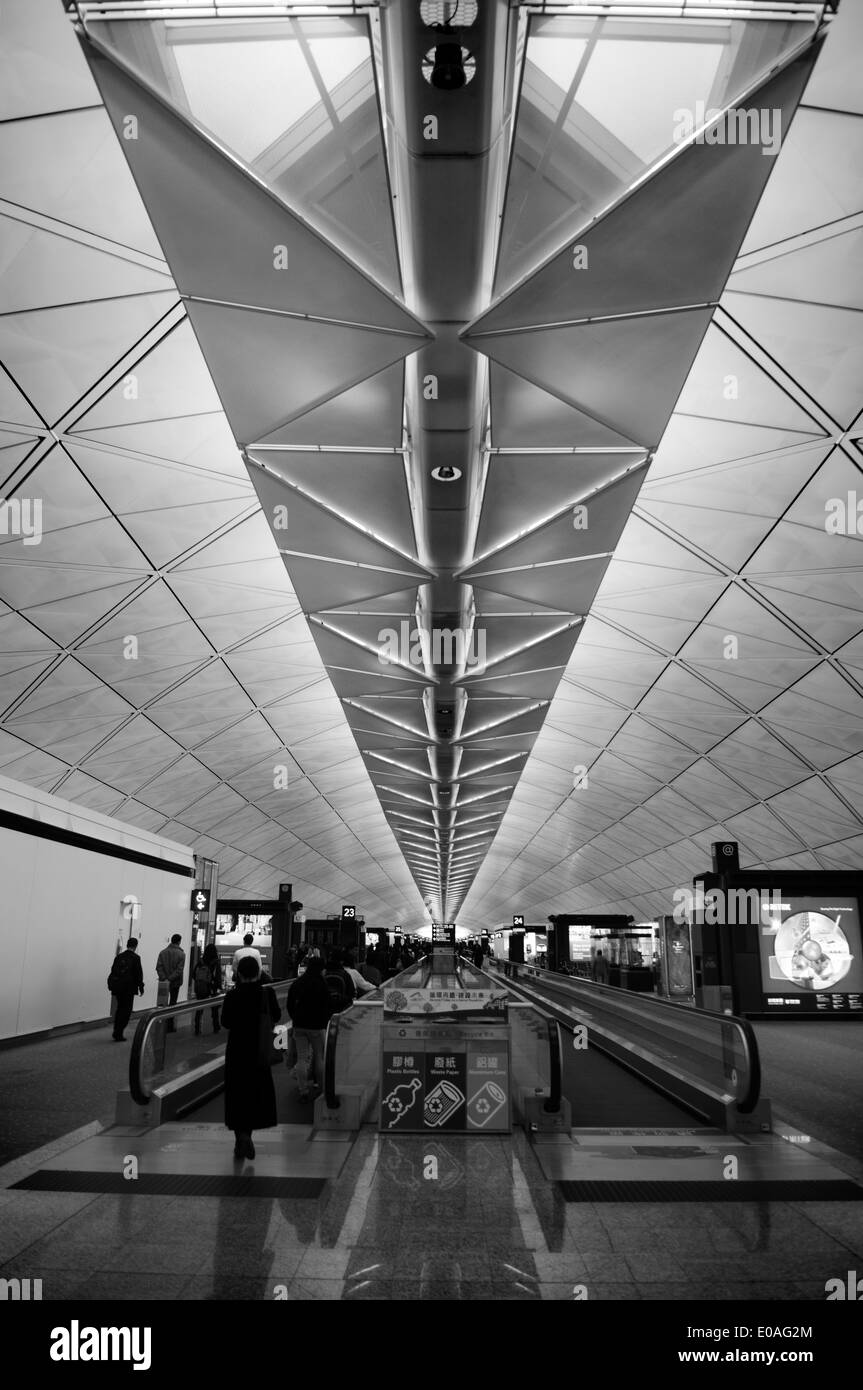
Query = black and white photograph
x=431 y=678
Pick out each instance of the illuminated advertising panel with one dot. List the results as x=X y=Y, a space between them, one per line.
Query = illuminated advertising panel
x=810 y=954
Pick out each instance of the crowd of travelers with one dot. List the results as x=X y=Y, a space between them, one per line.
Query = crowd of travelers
x=325 y=982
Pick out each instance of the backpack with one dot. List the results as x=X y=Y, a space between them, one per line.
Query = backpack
x=338 y=991
x=120 y=978
x=203 y=981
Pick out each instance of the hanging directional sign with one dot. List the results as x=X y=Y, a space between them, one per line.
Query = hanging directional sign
x=201 y=900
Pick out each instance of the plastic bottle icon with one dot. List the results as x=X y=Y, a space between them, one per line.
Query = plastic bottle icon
x=400 y=1100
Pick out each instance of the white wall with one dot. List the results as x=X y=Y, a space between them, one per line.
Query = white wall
x=62 y=913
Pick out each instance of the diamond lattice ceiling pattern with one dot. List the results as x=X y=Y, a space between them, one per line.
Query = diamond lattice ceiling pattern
x=133 y=367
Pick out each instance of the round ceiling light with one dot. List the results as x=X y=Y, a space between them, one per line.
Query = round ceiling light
x=445 y=473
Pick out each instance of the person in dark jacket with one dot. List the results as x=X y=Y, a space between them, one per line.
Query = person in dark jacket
x=310 y=1008
x=125 y=981
x=206 y=987
x=342 y=989
x=250 y=1096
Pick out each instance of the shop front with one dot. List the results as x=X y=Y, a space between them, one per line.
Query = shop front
x=615 y=950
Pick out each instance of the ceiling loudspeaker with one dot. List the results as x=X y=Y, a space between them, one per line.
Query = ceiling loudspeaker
x=726 y=857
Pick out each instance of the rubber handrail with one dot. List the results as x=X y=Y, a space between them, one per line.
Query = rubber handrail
x=330 y=1045
x=552 y=1103
x=752 y=1092
x=213 y=1001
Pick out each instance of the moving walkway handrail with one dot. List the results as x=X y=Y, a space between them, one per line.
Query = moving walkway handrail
x=331 y=1043
x=552 y=1101
x=576 y=989
x=166 y=1012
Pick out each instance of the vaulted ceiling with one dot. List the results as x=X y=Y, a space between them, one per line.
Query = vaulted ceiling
x=244 y=329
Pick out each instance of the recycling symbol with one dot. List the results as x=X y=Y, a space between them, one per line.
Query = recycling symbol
x=435 y=1105
x=482 y=1107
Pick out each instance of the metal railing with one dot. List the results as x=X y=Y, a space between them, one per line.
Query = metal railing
x=709 y=1061
x=167 y=1051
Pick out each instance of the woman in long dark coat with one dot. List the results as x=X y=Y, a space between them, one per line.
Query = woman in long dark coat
x=250 y=1097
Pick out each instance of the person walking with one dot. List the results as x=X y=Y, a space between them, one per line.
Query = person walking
x=310 y=1009
x=249 y=1012
x=361 y=984
x=248 y=948
x=339 y=983
x=170 y=965
x=600 y=969
x=124 y=982
x=208 y=982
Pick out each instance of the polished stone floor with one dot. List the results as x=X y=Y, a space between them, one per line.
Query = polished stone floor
x=482 y=1222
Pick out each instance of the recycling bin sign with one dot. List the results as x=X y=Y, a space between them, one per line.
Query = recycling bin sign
x=444 y=1078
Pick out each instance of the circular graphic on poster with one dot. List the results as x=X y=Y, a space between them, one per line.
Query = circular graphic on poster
x=812 y=951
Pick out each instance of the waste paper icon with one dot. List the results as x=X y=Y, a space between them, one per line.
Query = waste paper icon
x=441 y=1102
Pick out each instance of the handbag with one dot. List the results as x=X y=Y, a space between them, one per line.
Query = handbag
x=268 y=1054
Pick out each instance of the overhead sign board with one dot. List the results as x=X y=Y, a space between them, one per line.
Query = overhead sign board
x=433 y=1000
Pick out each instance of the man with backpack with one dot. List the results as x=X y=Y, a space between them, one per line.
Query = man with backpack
x=341 y=987
x=124 y=982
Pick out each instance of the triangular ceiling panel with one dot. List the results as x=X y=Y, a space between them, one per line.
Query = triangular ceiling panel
x=726 y=384
x=366 y=416
x=271 y=367
x=825 y=272
x=524 y=416
x=221 y=231
x=40 y=268
x=670 y=243
x=572 y=535
x=574 y=580
x=820 y=345
x=324 y=583
x=315 y=529
x=625 y=373
x=522 y=490
x=322 y=155
x=14 y=406
x=70 y=167
x=691 y=444
x=352 y=485
x=170 y=380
